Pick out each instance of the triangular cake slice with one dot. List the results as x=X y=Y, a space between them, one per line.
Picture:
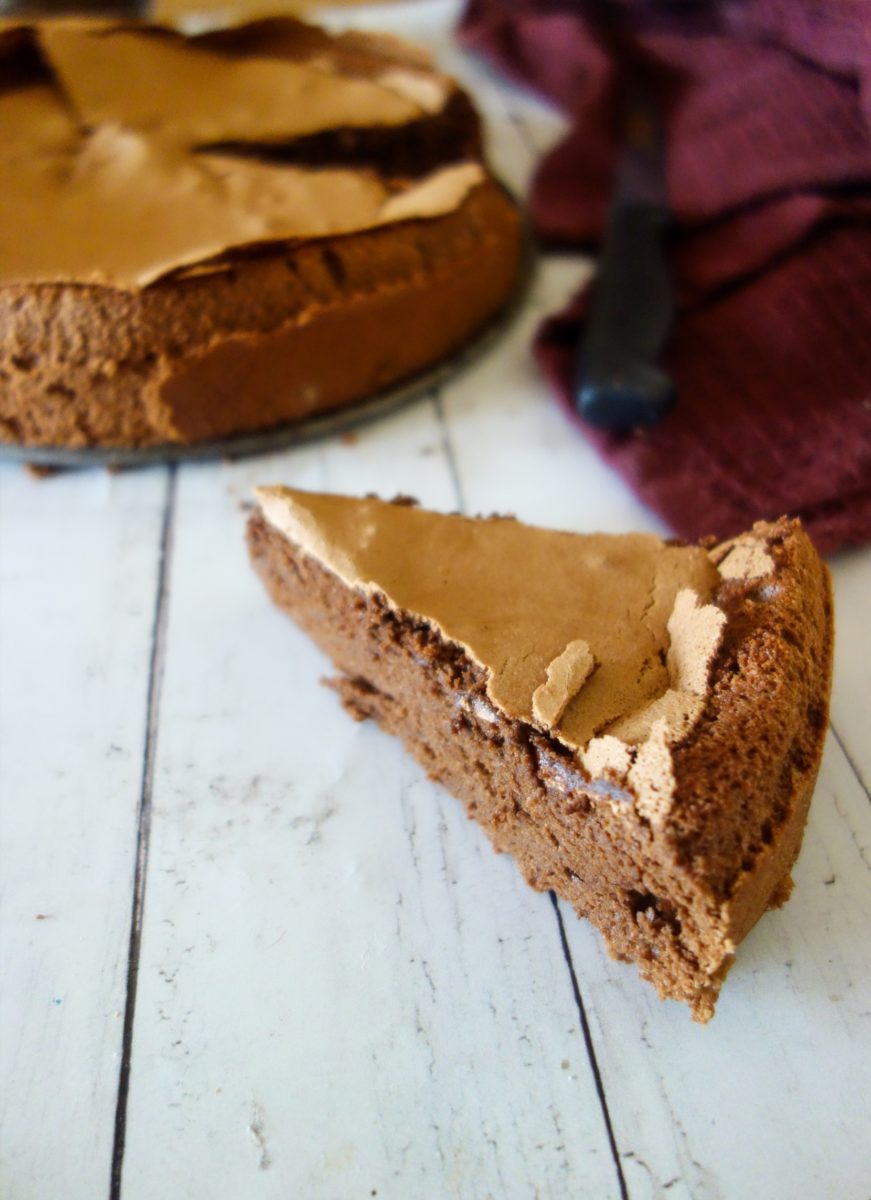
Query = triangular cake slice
x=639 y=723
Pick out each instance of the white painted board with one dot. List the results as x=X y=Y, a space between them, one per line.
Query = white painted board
x=337 y=989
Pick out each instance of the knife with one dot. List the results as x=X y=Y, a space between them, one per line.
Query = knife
x=618 y=384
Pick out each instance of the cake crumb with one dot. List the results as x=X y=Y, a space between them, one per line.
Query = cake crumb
x=566 y=675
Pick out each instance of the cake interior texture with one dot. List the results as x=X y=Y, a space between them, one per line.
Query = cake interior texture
x=673 y=894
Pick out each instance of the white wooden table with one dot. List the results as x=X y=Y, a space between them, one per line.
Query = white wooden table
x=249 y=951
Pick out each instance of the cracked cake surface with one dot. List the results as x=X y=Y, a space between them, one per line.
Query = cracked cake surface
x=638 y=723
x=192 y=227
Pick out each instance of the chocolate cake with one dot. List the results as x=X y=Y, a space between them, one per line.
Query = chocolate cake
x=202 y=236
x=639 y=723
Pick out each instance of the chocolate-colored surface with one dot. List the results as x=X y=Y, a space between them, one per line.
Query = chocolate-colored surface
x=674 y=899
x=177 y=294
x=520 y=599
x=256 y=344
x=120 y=158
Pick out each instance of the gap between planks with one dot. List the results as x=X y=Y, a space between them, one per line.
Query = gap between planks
x=852 y=765
x=591 y=1052
x=143 y=831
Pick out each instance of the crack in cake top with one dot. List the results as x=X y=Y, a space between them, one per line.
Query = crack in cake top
x=128 y=151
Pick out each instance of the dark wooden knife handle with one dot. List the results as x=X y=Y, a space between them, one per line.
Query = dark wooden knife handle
x=618 y=383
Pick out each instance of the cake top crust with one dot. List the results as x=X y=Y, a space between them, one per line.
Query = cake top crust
x=128 y=150
x=604 y=641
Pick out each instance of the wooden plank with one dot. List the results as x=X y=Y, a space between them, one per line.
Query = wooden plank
x=342 y=991
x=78 y=563
x=771 y=1098
x=851 y=576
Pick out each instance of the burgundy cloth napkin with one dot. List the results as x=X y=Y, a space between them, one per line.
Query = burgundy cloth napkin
x=767 y=108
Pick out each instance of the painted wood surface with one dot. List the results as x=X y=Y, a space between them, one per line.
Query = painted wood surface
x=331 y=987
x=79 y=556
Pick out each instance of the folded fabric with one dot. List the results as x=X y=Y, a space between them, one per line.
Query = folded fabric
x=767 y=108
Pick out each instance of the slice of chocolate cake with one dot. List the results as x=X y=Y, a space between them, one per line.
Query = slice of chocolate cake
x=638 y=723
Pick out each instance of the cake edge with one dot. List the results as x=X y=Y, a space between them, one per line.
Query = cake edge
x=172 y=364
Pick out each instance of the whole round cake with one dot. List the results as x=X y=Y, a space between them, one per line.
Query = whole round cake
x=211 y=235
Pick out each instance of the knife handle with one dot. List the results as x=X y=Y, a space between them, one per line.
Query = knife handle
x=618 y=384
